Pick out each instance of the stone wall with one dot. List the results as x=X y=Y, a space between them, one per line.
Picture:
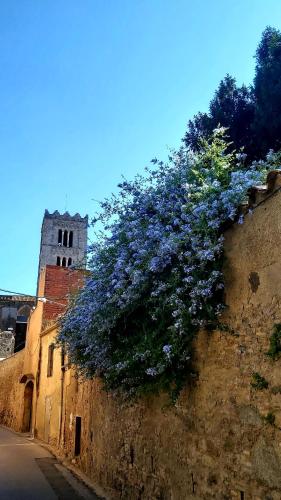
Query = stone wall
x=50 y=248
x=214 y=444
x=14 y=308
x=7 y=343
x=11 y=391
x=220 y=441
x=14 y=313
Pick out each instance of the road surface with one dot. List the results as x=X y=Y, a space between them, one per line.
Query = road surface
x=29 y=472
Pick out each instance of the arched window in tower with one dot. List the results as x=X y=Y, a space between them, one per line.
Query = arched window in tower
x=70 y=240
x=65 y=237
x=63 y=262
x=58 y=261
x=60 y=237
x=69 y=262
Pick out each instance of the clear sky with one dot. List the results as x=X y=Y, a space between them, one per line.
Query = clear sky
x=93 y=89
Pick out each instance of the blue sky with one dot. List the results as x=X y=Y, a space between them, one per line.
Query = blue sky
x=93 y=89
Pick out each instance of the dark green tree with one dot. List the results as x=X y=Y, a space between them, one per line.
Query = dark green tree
x=231 y=107
x=251 y=115
x=266 y=127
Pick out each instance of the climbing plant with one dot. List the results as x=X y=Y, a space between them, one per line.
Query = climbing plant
x=274 y=350
x=156 y=269
x=259 y=382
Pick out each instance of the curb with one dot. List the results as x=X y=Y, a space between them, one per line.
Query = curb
x=78 y=474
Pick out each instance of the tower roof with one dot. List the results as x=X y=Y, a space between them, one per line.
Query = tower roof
x=65 y=216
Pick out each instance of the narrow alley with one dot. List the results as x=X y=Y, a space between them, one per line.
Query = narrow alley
x=29 y=472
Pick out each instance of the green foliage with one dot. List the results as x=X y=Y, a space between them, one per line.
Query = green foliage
x=231 y=107
x=269 y=418
x=155 y=274
x=224 y=327
x=274 y=350
x=267 y=91
x=276 y=389
x=251 y=114
x=259 y=383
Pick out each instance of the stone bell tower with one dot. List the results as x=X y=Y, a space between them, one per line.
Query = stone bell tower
x=63 y=240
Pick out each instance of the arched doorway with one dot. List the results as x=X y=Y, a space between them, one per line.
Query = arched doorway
x=27 y=410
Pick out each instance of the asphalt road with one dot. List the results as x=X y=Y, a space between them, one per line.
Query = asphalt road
x=29 y=472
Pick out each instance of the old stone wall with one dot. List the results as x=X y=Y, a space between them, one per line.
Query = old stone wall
x=50 y=247
x=222 y=440
x=11 y=391
x=13 y=309
x=214 y=444
x=7 y=343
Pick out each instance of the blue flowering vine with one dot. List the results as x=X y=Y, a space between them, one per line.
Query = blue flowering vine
x=155 y=272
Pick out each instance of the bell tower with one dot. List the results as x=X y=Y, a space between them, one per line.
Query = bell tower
x=63 y=240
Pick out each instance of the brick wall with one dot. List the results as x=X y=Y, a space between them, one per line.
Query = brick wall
x=59 y=285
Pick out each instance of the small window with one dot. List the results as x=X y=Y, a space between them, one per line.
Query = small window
x=65 y=236
x=70 y=241
x=60 y=237
x=58 y=261
x=69 y=262
x=77 y=436
x=50 y=360
x=63 y=262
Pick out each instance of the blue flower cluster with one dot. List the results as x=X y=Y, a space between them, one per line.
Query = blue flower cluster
x=156 y=269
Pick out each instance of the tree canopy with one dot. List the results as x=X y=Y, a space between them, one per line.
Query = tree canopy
x=252 y=114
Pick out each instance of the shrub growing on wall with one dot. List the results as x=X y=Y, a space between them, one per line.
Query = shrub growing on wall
x=156 y=270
